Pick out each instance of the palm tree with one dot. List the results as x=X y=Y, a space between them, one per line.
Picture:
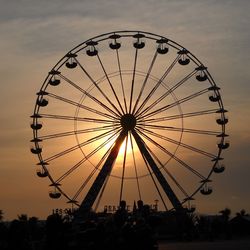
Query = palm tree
x=242 y=213
x=22 y=217
x=225 y=213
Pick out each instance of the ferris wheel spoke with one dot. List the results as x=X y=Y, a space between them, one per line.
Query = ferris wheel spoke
x=97 y=86
x=168 y=92
x=169 y=106
x=169 y=174
x=123 y=168
x=133 y=80
x=88 y=94
x=179 y=116
x=92 y=110
x=121 y=80
x=136 y=173
x=168 y=70
x=81 y=188
x=91 y=174
x=82 y=131
x=93 y=152
x=71 y=170
x=106 y=169
x=158 y=174
x=71 y=149
x=110 y=84
x=173 y=156
x=154 y=182
x=106 y=180
x=145 y=81
x=101 y=193
x=194 y=149
x=74 y=118
x=186 y=130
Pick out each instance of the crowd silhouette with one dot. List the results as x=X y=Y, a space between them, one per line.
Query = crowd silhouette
x=122 y=230
x=141 y=228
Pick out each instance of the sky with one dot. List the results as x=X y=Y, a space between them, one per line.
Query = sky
x=36 y=34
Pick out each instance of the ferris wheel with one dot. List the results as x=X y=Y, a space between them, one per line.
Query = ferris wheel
x=129 y=115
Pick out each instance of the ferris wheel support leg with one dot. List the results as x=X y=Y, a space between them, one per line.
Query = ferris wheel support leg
x=93 y=192
x=161 y=179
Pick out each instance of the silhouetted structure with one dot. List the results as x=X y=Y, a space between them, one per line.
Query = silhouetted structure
x=139 y=229
x=137 y=112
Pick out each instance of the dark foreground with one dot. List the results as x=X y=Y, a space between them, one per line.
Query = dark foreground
x=240 y=244
x=140 y=229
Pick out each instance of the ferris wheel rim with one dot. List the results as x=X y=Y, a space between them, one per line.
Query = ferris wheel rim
x=148 y=35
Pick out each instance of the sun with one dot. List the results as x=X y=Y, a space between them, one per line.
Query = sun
x=128 y=147
x=128 y=151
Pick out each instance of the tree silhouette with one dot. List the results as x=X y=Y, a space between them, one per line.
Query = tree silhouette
x=240 y=224
x=225 y=213
x=18 y=237
x=1 y=215
x=56 y=232
x=3 y=232
x=242 y=213
x=22 y=217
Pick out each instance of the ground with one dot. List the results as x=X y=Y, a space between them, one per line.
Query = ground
x=243 y=244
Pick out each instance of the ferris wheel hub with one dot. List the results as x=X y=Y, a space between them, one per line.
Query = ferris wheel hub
x=128 y=122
